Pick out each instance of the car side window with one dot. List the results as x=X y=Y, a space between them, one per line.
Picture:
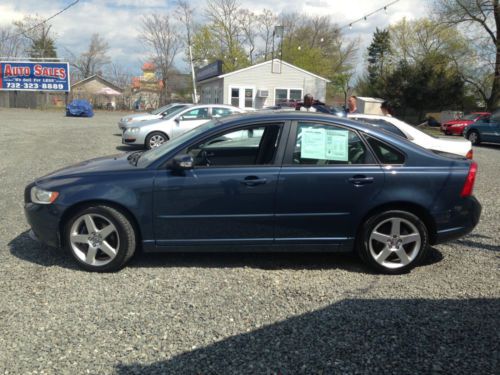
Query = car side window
x=318 y=144
x=385 y=153
x=252 y=145
x=195 y=114
x=218 y=112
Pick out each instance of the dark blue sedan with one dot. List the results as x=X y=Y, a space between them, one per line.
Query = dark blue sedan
x=486 y=129
x=287 y=181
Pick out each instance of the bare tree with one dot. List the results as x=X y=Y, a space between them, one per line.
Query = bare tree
x=248 y=22
x=267 y=21
x=483 y=17
x=11 y=43
x=118 y=75
x=160 y=35
x=93 y=60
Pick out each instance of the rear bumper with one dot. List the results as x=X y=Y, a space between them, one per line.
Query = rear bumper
x=459 y=221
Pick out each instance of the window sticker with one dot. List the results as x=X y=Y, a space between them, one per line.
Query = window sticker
x=324 y=144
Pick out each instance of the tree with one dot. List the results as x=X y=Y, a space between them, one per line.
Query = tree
x=379 y=53
x=40 y=43
x=93 y=60
x=161 y=36
x=248 y=22
x=482 y=20
x=224 y=24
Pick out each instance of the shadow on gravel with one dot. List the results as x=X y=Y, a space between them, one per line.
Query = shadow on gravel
x=23 y=247
x=265 y=261
x=409 y=336
x=493 y=146
x=478 y=245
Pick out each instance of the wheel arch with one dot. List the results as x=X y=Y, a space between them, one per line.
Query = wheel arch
x=421 y=212
x=146 y=138
x=69 y=212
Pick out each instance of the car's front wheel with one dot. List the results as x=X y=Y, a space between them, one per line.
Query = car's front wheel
x=155 y=139
x=473 y=137
x=393 y=242
x=100 y=238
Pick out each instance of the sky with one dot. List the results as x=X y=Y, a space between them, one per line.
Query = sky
x=118 y=20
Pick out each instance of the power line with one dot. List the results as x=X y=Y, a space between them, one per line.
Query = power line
x=365 y=17
x=41 y=23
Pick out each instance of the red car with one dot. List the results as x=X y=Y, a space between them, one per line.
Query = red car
x=456 y=127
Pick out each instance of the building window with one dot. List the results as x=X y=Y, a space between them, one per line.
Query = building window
x=248 y=98
x=284 y=96
x=235 y=97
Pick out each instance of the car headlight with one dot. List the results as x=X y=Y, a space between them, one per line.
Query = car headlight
x=132 y=130
x=42 y=196
x=128 y=119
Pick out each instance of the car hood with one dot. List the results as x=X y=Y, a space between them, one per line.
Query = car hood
x=141 y=117
x=105 y=164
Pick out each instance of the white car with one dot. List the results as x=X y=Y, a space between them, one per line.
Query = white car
x=156 y=132
x=157 y=114
x=458 y=146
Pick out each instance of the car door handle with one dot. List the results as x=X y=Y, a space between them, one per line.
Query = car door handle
x=253 y=181
x=361 y=180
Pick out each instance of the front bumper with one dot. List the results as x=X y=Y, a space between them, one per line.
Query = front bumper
x=459 y=221
x=44 y=222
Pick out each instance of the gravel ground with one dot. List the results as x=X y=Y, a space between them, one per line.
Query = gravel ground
x=233 y=314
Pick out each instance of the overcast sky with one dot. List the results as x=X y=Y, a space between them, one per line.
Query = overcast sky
x=118 y=20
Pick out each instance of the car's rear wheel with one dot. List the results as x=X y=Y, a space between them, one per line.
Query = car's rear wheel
x=393 y=242
x=473 y=137
x=100 y=238
x=155 y=139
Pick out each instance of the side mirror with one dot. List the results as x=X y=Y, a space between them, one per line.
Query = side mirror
x=181 y=163
x=177 y=120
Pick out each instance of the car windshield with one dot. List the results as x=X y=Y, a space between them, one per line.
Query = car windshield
x=160 y=110
x=154 y=154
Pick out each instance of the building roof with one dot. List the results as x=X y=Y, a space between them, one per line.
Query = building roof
x=100 y=79
x=269 y=63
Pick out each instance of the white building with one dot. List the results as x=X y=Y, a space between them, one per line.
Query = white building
x=258 y=86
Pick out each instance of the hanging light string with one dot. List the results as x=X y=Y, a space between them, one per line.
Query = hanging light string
x=365 y=17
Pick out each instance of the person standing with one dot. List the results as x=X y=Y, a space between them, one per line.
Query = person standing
x=308 y=104
x=386 y=109
x=352 y=104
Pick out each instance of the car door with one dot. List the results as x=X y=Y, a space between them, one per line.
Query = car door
x=328 y=179
x=229 y=195
x=190 y=119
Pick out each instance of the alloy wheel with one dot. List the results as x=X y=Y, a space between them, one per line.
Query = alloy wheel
x=94 y=239
x=395 y=242
x=156 y=141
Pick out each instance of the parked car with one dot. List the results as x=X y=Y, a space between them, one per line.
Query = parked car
x=156 y=132
x=484 y=130
x=456 y=127
x=401 y=128
x=264 y=181
x=323 y=108
x=157 y=114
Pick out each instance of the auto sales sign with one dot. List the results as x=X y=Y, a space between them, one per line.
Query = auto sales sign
x=34 y=76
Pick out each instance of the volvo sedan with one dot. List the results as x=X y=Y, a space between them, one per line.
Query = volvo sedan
x=286 y=181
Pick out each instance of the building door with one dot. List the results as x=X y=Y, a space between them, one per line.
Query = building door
x=242 y=97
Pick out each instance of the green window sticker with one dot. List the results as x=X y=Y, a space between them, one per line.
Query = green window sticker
x=324 y=144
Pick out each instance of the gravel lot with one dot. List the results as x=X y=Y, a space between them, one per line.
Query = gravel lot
x=233 y=314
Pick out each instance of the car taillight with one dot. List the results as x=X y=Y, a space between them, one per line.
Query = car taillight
x=469 y=154
x=469 y=181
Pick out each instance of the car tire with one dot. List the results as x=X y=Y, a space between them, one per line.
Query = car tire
x=473 y=137
x=100 y=238
x=155 y=139
x=393 y=242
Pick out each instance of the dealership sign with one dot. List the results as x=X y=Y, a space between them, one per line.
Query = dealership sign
x=34 y=76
